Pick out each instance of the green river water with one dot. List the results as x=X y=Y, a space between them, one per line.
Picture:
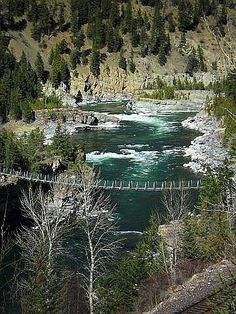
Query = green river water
x=143 y=148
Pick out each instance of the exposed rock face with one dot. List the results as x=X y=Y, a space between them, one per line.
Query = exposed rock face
x=75 y=115
x=196 y=290
x=206 y=151
x=117 y=81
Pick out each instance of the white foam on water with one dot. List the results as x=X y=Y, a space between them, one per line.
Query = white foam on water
x=145 y=119
x=137 y=157
x=159 y=125
x=174 y=151
x=133 y=145
x=130 y=232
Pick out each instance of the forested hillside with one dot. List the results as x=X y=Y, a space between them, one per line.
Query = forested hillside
x=115 y=41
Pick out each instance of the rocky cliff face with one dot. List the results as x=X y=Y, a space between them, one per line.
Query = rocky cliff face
x=115 y=81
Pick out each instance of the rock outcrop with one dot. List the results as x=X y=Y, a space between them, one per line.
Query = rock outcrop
x=206 y=151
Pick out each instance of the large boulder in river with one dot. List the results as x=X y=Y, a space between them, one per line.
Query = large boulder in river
x=92 y=120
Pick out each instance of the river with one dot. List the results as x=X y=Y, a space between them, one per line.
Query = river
x=142 y=148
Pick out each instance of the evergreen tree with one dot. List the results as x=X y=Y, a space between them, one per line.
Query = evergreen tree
x=132 y=66
x=201 y=58
x=157 y=32
x=189 y=239
x=32 y=11
x=171 y=23
x=62 y=46
x=128 y=18
x=32 y=148
x=39 y=67
x=3 y=105
x=61 y=17
x=122 y=61
x=98 y=35
x=144 y=42
x=230 y=85
x=114 y=13
x=51 y=56
x=110 y=38
x=106 y=6
x=192 y=64
x=95 y=63
x=135 y=39
x=185 y=17
x=61 y=143
x=74 y=58
x=223 y=16
x=59 y=71
x=11 y=153
x=79 y=40
x=15 y=109
x=27 y=114
x=162 y=56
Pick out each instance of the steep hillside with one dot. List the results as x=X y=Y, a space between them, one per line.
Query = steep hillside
x=120 y=46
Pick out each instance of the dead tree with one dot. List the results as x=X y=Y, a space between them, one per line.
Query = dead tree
x=176 y=202
x=5 y=240
x=71 y=205
x=96 y=220
x=39 y=284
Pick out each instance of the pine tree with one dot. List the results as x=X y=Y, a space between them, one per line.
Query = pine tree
x=61 y=143
x=223 y=16
x=128 y=18
x=185 y=17
x=192 y=64
x=39 y=67
x=132 y=66
x=157 y=31
x=143 y=42
x=189 y=239
x=15 y=109
x=79 y=40
x=95 y=63
x=27 y=114
x=203 y=67
x=51 y=56
x=110 y=40
x=32 y=11
x=61 y=17
x=135 y=39
x=230 y=85
x=3 y=105
x=171 y=23
x=114 y=13
x=74 y=58
x=162 y=56
x=98 y=34
x=122 y=61
x=11 y=154
x=106 y=6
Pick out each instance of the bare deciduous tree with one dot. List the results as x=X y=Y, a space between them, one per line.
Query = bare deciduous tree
x=176 y=202
x=70 y=205
x=98 y=227
x=41 y=244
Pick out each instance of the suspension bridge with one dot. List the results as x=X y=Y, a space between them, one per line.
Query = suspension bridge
x=119 y=185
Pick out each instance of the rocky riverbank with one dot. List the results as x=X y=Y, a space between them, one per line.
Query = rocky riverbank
x=196 y=100
x=206 y=151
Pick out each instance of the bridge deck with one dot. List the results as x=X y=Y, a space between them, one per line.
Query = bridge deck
x=105 y=184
